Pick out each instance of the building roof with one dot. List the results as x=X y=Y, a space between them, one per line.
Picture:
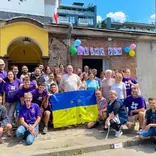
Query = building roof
x=5 y=16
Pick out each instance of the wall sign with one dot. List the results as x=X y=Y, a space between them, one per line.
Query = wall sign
x=100 y=51
x=114 y=51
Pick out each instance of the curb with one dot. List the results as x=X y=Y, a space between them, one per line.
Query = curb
x=76 y=150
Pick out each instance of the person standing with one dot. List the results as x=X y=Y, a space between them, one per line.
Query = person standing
x=107 y=84
x=92 y=84
x=129 y=81
x=47 y=73
x=70 y=81
x=30 y=116
x=82 y=78
x=25 y=72
x=119 y=87
x=3 y=74
x=10 y=89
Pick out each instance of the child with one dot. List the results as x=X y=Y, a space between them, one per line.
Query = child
x=102 y=105
x=4 y=121
x=149 y=126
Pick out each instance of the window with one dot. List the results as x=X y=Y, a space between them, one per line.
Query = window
x=83 y=21
x=63 y=19
x=90 y=21
x=72 y=19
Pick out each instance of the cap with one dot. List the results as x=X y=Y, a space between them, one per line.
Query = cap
x=1 y=62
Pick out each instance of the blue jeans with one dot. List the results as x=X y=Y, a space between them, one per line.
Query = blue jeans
x=23 y=131
x=150 y=132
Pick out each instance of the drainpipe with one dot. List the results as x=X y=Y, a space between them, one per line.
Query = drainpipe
x=70 y=28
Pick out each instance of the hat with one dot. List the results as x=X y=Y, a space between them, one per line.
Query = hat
x=1 y=62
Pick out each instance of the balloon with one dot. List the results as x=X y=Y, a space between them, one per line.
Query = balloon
x=73 y=50
x=133 y=46
x=77 y=43
x=80 y=50
x=132 y=53
x=127 y=49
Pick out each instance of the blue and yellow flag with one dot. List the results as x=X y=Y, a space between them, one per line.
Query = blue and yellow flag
x=74 y=107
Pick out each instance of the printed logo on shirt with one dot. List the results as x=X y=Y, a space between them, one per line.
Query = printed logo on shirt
x=40 y=98
x=13 y=88
x=127 y=84
x=134 y=106
x=33 y=110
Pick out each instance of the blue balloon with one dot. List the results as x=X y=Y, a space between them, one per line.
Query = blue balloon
x=127 y=49
x=77 y=43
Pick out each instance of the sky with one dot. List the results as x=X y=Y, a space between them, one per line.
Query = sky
x=142 y=11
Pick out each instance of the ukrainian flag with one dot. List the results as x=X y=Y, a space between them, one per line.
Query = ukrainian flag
x=76 y=107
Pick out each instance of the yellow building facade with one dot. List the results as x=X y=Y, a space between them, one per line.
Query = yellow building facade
x=23 y=43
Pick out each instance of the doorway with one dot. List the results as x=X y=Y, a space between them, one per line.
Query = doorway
x=94 y=63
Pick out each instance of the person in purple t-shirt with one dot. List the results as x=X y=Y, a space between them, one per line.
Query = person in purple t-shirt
x=30 y=116
x=129 y=81
x=40 y=95
x=27 y=87
x=10 y=89
x=135 y=106
x=3 y=75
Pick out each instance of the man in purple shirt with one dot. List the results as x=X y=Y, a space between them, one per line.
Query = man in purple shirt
x=129 y=81
x=40 y=95
x=3 y=74
x=135 y=106
x=30 y=116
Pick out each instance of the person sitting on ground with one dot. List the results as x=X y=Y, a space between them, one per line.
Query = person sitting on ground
x=4 y=120
x=135 y=106
x=30 y=116
x=116 y=115
x=149 y=126
x=102 y=105
x=40 y=95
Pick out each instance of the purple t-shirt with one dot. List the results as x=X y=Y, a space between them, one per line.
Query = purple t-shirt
x=134 y=103
x=11 y=90
x=23 y=90
x=30 y=114
x=3 y=75
x=38 y=97
x=128 y=86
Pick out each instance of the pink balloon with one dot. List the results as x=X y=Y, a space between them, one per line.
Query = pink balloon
x=80 y=50
x=133 y=46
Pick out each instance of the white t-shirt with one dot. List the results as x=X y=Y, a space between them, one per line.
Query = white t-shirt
x=70 y=82
x=119 y=88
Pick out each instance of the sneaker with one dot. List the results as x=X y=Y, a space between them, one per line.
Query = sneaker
x=45 y=130
x=1 y=141
x=118 y=133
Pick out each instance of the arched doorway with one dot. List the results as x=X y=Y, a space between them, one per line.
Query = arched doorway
x=24 y=51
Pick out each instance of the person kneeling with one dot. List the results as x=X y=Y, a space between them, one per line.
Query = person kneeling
x=149 y=127
x=102 y=105
x=4 y=121
x=30 y=116
x=117 y=116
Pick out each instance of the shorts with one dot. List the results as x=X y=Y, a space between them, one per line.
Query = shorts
x=150 y=132
x=133 y=118
x=4 y=123
x=51 y=115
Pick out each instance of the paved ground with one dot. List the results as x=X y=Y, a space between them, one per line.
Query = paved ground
x=148 y=150
x=64 y=138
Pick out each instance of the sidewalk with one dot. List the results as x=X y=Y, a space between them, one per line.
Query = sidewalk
x=71 y=140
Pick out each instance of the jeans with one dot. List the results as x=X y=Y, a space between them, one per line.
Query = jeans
x=10 y=111
x=150 y=132
x=23 y=131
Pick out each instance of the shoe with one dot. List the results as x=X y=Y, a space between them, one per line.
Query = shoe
x=1 y=141
x=118 y=133
x=45 y=130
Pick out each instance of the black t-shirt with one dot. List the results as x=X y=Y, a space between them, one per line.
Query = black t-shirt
x=150 y=117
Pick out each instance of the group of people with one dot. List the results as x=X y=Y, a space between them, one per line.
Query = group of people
x=24 y=99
